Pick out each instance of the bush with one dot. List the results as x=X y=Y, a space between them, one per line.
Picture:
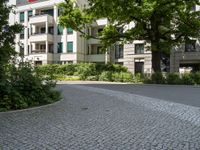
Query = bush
x=122 y=77
x=24 y=88
x=188 y=79
x=196 y=77
x=105 y=76
x=157 y=78
x=111 y=67
x=83 y=70
x=173 y=78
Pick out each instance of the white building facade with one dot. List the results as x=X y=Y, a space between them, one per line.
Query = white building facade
x=44 y=41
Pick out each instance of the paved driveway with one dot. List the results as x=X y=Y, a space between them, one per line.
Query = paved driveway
x=92 y=118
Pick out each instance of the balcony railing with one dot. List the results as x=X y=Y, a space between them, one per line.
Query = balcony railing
x=41 y=37
x=40 y=18
x=41 y=51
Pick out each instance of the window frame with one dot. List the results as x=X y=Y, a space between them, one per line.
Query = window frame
x=70 y=50
x=139 y=51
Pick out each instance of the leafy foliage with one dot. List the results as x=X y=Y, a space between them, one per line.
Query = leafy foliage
x=163 y=23
x=24 y=88
x=20 y=87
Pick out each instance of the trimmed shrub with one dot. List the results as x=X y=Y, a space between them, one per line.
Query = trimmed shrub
x=25 y=88
x=173 y=78
x=188 y=79
x=105 y=76
x=122 y=77
x=196 y=78
x=111 y=67
x=83 y=70
x=157 y=78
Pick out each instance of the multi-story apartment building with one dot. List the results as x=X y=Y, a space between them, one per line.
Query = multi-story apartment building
x=186 y=57
x=44 y=41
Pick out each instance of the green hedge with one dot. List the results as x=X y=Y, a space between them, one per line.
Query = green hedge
x=174 y=79
x=114 y=73
x=85 y=71
x=24 y=88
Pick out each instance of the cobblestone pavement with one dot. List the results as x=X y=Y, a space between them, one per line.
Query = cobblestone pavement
x=91 y=118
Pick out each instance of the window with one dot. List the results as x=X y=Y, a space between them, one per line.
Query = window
x=59 y=11
x=99 y=50
x=139 y=48
x=69 y=31
x=139 y=67
x=70 y=62
x=30 y=13
x=190 y=46
x=21 y=18
x=21 y=53
x=42 y=30
x=60 y=30
x=100 y=30
x=70 y=47
x=50 y=30
x=22 y=34
x=50 y=48
x=119 y=51
x=43 y=47
x=49 y=12
x=60 y=47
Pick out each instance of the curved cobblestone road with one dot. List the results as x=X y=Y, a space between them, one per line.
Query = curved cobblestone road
x=91 y=118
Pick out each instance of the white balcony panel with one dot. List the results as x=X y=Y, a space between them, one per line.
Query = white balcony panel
x=100 y=22
x=68 y=57
x=40 y=38
x=41 y=19
x=93 y=41
x=96 y=58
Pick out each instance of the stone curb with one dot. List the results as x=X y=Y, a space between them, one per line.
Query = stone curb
x=32 y=108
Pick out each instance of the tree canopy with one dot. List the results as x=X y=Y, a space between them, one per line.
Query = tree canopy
x=7 y=36
x=163 y=23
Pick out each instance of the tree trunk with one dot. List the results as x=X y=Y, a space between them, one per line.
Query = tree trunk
x=156 y=62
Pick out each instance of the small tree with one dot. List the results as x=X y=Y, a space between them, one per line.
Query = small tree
x=7 y=37
x=22 y=86
x=163 y=23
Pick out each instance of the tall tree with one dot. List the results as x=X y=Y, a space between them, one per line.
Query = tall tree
x=163 y=23
x=7 y=36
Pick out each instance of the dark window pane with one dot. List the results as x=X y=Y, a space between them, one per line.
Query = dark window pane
x=69 y=47
x=69 y=31
x=139 y=48
x=60 y=47
x=21 y=16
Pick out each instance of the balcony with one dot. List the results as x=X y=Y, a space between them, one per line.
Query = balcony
x=100 y=22
x=40 y=37
x=41 y=18
x=96 y=58
x=93 y=41
x=41 y=51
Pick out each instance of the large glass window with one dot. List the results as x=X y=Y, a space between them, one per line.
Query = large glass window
x=139 y=48
x=49 y=12
x=21 y=53
x=70 y=47
x=60 y=47
x=22 y=34
x=21 y=18
x=69 y=31
x=60 y=30
x=119 y=51
x=30 y=13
